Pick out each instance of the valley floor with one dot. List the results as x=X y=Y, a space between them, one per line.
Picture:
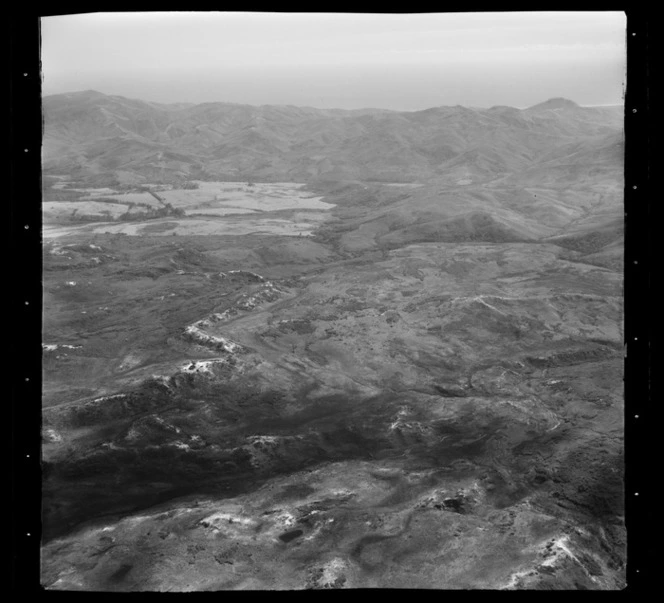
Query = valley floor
x=358 y=408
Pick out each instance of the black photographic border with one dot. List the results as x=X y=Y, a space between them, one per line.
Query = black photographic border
x=25 y=278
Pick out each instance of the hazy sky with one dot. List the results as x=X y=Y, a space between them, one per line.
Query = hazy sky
x=344 y=60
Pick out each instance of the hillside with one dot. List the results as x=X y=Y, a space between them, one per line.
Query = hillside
x=88 y=134
x=292 y=348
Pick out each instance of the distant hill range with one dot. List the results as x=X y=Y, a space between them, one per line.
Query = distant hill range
x=105 y=140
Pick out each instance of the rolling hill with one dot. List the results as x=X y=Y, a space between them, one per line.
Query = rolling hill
x=89 y=133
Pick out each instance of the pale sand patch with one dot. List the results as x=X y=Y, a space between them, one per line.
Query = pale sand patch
x=219 y=211
x=210 y=227
x=87 y=208
x=272 y=196
x=211 y=201
x=143 y=198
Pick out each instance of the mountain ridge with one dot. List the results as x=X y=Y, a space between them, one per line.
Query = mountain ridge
x=281 y=142
x=551 y=103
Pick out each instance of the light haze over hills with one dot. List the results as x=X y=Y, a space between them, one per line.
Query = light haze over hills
x=326 y=60
x=89 y=133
